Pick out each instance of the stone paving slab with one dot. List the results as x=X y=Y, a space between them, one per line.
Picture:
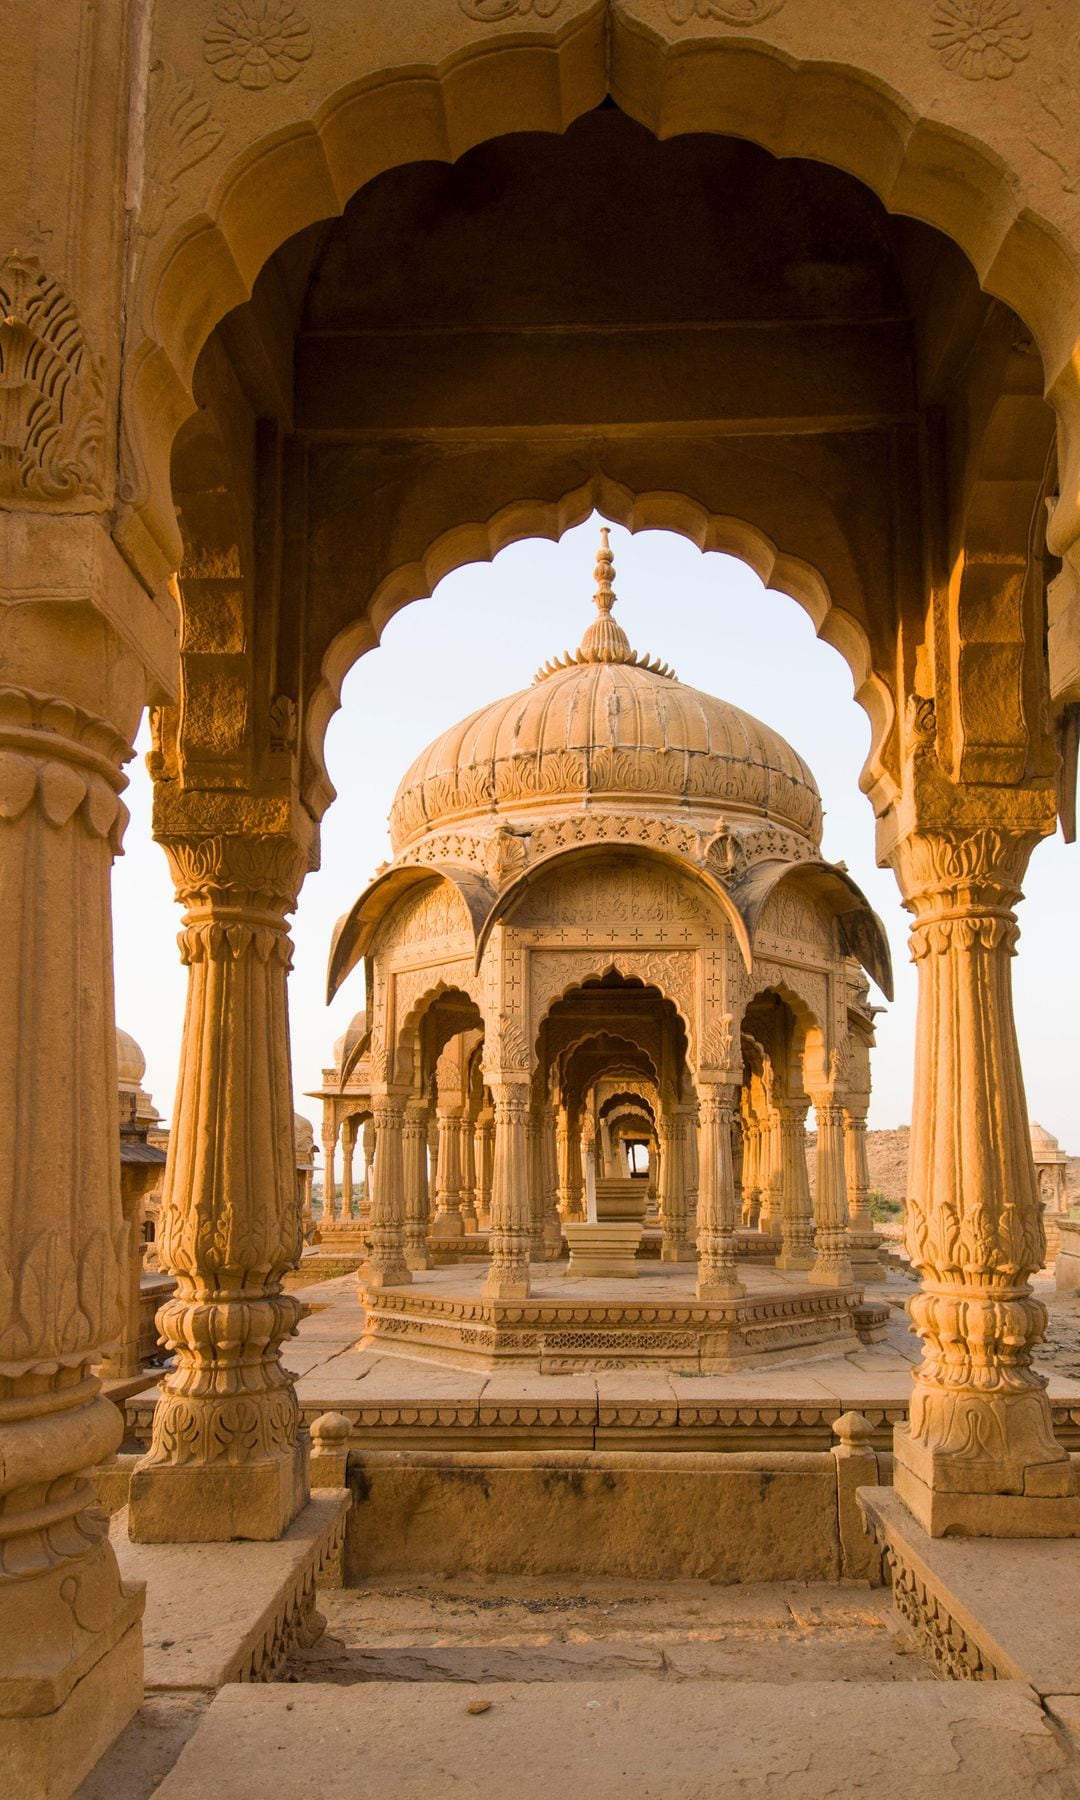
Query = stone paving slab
x=639 y=1737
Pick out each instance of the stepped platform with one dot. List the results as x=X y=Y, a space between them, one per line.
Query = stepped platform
x=651 y=1321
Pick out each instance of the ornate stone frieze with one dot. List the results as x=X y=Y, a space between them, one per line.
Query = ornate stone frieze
x=52 y=422
x=723 y=12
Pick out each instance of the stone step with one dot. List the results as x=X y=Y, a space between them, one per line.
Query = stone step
x=635 y=1737
x=869 y=1656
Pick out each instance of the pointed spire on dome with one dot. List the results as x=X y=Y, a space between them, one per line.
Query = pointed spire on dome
x=604 y=641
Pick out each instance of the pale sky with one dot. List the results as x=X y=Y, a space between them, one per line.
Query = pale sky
x=482 y=635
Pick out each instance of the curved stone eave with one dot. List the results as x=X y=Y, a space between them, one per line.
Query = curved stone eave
x=355 y=931
x=577 y=853
x=861 y=931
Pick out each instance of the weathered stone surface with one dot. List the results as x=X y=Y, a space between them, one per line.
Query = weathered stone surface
x=928 y=1742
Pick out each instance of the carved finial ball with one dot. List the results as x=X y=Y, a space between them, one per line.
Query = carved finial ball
x=853 y=1428
x=331 y=1428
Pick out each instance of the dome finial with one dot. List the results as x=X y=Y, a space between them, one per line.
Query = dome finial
x=605 y=595
x=605 y=641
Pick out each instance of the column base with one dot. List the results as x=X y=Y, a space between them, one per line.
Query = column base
x=417 y=1260
x=678 y=1253
x=795 y=1259
x=208 y=1503
x=866 y=1265
x=447 y=1228
x=397 y=1275
x=507 y=1287
x=831 y=1276
x=720 y=1290
x=1045 y=1505
x=62 y=1708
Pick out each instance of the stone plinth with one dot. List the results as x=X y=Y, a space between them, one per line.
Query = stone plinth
x=605 y=1251
x=1067 y=1267
x=445 y=1316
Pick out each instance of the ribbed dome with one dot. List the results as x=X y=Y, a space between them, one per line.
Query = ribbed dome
x=605 y=726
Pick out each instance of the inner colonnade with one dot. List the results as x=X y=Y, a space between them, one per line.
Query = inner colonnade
x=295 y=322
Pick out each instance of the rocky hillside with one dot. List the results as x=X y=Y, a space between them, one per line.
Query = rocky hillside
x=887 y=1155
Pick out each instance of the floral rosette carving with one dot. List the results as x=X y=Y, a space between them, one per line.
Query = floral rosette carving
x=256 y=42
x=980 y=39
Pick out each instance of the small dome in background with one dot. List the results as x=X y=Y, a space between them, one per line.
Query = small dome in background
x=130 y=1061
x=1044 y=1144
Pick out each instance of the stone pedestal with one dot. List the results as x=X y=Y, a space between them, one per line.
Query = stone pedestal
x=607 y=1250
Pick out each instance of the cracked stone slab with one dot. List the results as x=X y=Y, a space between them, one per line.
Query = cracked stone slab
x=637 y=1736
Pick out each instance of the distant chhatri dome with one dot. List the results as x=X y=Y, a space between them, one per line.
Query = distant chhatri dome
x=1044 y=1145
x=605 y=726
x=130 y=1061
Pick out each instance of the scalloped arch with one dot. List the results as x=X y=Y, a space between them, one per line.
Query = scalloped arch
x=540 y=76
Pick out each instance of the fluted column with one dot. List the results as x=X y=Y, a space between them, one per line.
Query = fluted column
x=832 y=1262
x=772 y=1175
x=386 y=1266
x=225 y=1460
x=549 y=1168
x=717 y=1277
x=448 y=1223
x=508 y=1275
x=367 y=1145
x=979 y=1453
x=796 y=1204
x=329 y=1204
x=415 y=1175
x=866 y=1260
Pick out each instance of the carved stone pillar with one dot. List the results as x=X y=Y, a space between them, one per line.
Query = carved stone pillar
x=367 y=1144
x=307 y=1211
x=832 y=1264
x=797 y=1206
x=534 y=1154
x=329 y=1203
x=568 y=1145
x=70 y=1635
x=717 y=1268
x=386 y=1266
x=136 y=1180
x=483 y=1154
x=674 y=1243
x=508 y=1275
x=866 y=1263
x=978 y=1455
x=468 y=1173
x=226 y=1460
x=348 y=1152
x=433 y=1155
x=549 y=1169
x=772 y=1175
x=752 y=1135
x=414 y=1158
x=448 y=1224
